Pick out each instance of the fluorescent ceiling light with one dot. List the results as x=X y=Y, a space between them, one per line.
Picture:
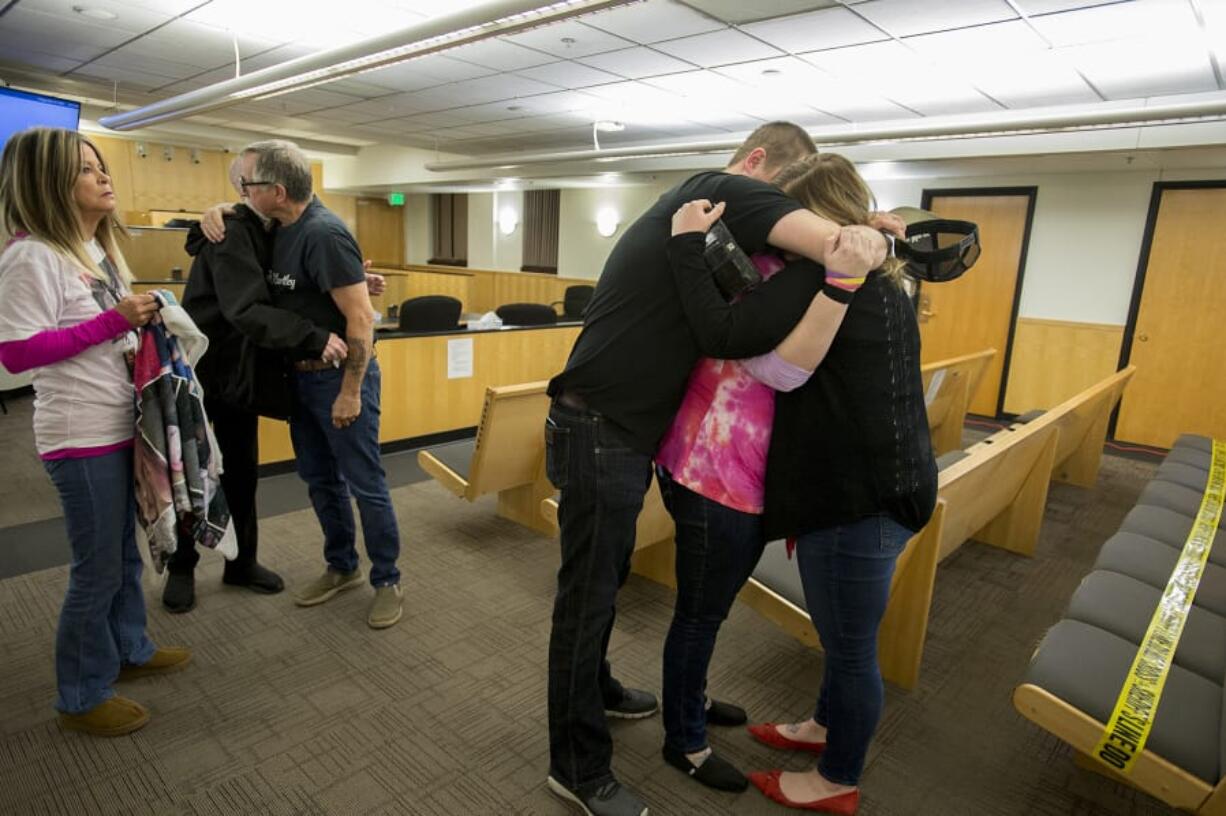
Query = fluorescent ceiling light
x=429 y=37
x=95 y=13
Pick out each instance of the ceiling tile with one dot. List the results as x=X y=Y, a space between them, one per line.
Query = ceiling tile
x=407 y=76
x=36 y=59
x=791 y=78
x=718 y=48
x=584 y=41
x=738 y=11
x=1034 y=7
x=1141 y=18
x=500 y=55
x=636 y=63
x=55 y=34
x=128 y=18
x=1132 y=69
x=478 y=91
x=195 y=44
x=165 y=69
x=569 y=75
x=311 y=99
x=906 y=17
x=1008 y=61
x=438 y=66
x=816 y=31
x=652 y=21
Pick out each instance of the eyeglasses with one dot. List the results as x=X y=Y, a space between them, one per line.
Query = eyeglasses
x=243 y=183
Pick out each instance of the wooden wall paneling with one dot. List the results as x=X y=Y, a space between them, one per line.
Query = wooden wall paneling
x=1175 y=340
x=118 y=156
x=180 y=183
x=343 y=205
x=417 y=397
x=380 y=231
x=152 y=252
x=177 y=288
x=1055 y=359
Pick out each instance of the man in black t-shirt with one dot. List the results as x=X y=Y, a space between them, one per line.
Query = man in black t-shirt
x=317 y=272
x=644 y=330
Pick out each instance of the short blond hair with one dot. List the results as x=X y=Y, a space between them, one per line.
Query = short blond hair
x=38 y=173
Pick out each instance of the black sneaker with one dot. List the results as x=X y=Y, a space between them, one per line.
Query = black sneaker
x=179 y=594
x=714 y=772
x=635 y=704
x=721 y=713
x=611 y=799
x=257 y=578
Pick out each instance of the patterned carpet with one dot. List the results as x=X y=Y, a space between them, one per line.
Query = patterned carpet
x=307 y=711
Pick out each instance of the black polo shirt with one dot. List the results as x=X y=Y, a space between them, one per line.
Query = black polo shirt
x=637 y=348
x=311 y=257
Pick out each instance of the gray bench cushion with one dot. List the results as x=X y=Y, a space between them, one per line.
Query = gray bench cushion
x=777 y=573
x=1124 y=606
x=1153 y=561
x=1190 y=457
x=1180 y=499
x=947 y=459
x=1085 y=666
x=1194 y=442
x=1188 y=476
x=458 y=456
x=1169 y=527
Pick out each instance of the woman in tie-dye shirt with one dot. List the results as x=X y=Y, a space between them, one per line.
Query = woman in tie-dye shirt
x=712 y=464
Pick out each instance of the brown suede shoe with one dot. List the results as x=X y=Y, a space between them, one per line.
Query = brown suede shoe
x=113 y=718
x=165 y=659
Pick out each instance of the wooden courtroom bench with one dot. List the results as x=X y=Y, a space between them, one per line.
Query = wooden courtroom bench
x=949 y=386
x=1082 y=420
x=1079 y=669
x=654 y=527
x=995 y=495
x=508 y=456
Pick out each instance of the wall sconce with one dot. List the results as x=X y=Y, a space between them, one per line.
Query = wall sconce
x=168 y=153
x=195 y=156
x=141 y=150
x=607 y=221
x=508 y=220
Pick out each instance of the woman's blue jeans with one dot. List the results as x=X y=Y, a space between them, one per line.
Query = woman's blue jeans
x=846 y=572
x=102 y=622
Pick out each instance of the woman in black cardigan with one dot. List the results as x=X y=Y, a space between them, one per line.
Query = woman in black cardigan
x=850 y=477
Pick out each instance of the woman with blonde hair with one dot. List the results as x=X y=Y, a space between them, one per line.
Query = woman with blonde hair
x=838 y=459
x=67 y=312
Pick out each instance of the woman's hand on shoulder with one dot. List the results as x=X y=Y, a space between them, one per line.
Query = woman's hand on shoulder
x=696 y=216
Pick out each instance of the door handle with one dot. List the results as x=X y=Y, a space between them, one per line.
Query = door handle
x=1142 y=337
x=926 y=313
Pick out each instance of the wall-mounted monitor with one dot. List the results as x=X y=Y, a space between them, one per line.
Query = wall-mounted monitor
x=20 y=110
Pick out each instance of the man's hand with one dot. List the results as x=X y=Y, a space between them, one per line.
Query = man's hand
x=346 y=409
x=336 y=349
x=212 y=223
x=888 y=222
x=696 y=216
x=867 y=240
x=375 y=284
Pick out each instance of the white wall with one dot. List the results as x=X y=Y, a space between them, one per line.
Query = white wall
x=581 y=249
x=1085 y=240
x=417 y=230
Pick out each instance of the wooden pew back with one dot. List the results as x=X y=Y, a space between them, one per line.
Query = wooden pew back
x=949 y=386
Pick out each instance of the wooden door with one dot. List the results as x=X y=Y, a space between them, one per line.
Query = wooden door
x=976 y=311
x=1176 y=340
x=381 y=231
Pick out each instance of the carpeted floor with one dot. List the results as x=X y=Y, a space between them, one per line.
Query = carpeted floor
x=307 y=711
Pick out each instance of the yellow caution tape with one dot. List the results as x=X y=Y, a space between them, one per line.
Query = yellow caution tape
x=1133 y=718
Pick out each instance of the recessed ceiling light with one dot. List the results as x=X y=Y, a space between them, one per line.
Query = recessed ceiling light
x=568 y=41
x=770 y=73
x=515 y=107
x=95 y=13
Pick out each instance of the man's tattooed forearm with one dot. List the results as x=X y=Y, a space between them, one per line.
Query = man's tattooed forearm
x=359 y=353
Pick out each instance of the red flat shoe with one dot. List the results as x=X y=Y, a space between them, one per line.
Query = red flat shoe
x=768 y=734
x=844 y=804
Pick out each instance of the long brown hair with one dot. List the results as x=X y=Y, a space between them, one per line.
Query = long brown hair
x=38 y=172
x=829 y=185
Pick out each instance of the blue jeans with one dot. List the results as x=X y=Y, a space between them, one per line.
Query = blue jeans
x=717 y=550
x=846 y=573
x=602 y=483
x=102 y=622
x=335 y=462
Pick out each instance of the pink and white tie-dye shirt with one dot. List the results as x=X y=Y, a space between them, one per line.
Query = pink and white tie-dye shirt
x=718 y=441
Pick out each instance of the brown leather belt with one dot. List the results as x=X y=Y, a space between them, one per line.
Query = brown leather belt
x=314 y=365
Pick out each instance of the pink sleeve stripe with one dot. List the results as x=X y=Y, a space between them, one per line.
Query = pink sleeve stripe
x=56 y=345
x=84 y=453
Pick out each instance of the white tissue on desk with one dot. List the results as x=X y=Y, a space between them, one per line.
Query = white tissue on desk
x=489 y=320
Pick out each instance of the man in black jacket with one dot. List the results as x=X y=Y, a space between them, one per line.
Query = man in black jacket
x=244 y=375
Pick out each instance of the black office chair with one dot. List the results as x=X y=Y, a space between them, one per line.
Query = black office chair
x=430 y=313
x=575 y=301
x=527 y=314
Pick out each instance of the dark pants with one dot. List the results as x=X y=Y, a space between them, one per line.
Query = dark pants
x=237 y=433
x=338 y=462
x=846 y=572
x=602 y=481
x=717 y=550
